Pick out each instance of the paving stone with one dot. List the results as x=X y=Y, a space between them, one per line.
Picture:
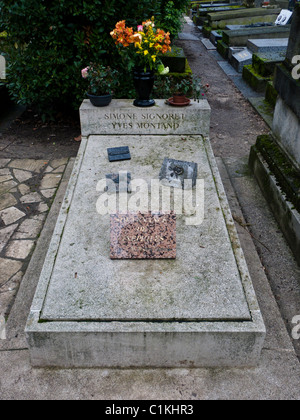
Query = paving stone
x=4 y=178
x=60 y=169
x=8 y=292
x=29 y=229
x=7 y=186
x=19 y=249
x=5 y=235
x=11 y=215
x=48 y=169
x=4 y=162
x=58 y=162
x=24 y=189
x=8 y=268
x=22 y=175
x=5 y=171
x=28 y=164
x=43 y=207
x=50 y=181
x=7 y=200
x=31 y=198
x=48 y=193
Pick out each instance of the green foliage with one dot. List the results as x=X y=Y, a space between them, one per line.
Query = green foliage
x=101 y=80
x=172 y=19
x=190 y=85
x=49 y=42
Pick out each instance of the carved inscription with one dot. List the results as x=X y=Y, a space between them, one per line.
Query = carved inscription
x=145 y=121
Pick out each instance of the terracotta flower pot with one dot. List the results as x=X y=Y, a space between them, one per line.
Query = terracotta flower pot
x=179 y=98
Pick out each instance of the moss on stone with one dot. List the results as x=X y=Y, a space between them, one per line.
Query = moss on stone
x=285 y=172
x=255 y=80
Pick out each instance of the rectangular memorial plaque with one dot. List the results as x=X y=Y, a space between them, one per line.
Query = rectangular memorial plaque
x=175 y=173
x=143 y=236
x=118 y=153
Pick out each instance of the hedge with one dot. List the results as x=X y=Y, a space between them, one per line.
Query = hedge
x=50 y=41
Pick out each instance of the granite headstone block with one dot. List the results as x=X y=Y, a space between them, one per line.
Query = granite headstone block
x=278 y=45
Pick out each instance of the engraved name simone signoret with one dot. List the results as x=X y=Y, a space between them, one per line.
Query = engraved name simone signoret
x=145 y=120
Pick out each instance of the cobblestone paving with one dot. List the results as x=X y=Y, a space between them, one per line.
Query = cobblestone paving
x=27 y=189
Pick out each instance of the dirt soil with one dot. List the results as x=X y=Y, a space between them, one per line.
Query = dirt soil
x=31 y=138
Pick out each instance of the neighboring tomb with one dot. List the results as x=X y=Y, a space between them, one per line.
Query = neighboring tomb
x=275 y=160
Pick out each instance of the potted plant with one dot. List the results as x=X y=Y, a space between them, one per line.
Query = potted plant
x=102 y=81
x=186 y=88
x=140 y=49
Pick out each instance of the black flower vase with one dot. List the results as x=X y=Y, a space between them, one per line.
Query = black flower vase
x=143 y=83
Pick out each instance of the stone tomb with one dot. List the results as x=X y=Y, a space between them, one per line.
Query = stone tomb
x=198 y=309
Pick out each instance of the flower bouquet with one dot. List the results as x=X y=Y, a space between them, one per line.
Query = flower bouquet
x=140 y=50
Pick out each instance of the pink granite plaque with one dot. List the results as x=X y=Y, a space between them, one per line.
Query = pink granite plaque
x=143 y=236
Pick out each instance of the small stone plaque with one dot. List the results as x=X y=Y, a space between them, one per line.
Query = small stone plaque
x=143 y=236
x=284 y=17
x=173 y=173
x=119 y=182
x=118 y=153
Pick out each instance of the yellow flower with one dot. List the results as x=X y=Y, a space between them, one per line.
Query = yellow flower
x=146 y=52
x=153 y=58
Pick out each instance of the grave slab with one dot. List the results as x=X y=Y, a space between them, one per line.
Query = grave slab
x=241 y=59
x=199 y=309
x=278 y=45
x=240 y=37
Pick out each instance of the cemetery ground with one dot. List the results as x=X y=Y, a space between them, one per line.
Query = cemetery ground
x=35 y=164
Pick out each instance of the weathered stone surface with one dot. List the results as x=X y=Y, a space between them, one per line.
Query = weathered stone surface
x=30 y=228
x=11 y=215
x=8 y=186
x=286 y=127
x=22 y=176
x=58 y=163
x=42 y=207
x=19 y=249
x=5 y=234
x=278 y=45
x=7 y=200
x=50 y=181
x=207 y=288
x=24 y=189
x=31 y=198
x=30 y=165
x=240 y=37
x=122 y=117
x=48 y=193
x=4 y=162
x=8 y=268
